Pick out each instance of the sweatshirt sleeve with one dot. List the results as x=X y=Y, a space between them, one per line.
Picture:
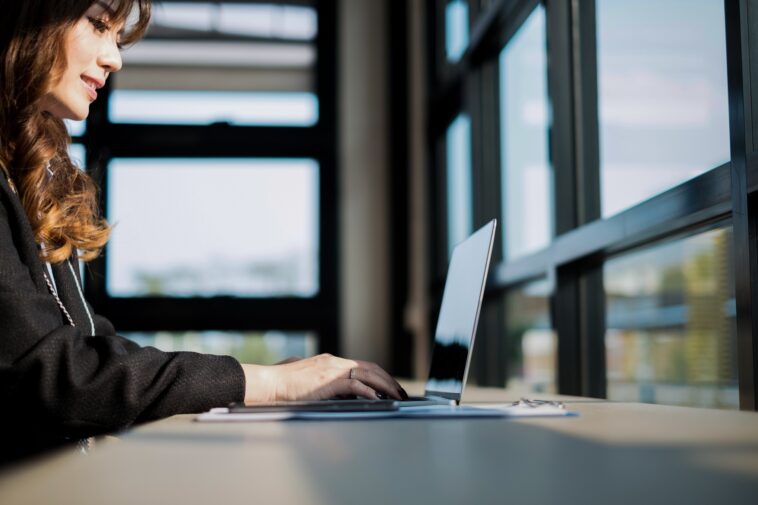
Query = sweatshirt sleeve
x=60 y=383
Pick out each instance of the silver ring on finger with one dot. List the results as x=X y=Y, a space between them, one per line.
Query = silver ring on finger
x=353 y=373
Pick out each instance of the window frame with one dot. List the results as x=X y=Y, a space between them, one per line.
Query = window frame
x=583 y=240
x=319 y=314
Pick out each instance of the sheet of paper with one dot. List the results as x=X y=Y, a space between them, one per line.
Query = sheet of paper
x=416 y=412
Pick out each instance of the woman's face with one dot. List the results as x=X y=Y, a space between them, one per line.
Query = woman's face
x=92 y=53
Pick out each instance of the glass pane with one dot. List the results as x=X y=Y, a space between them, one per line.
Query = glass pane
x=276 y=21
x=456 y=29
x=263 y=348
x=526 y=176
x=459 y=206
x=75 y=128
x=530 y=340
x=671 y=335
x=78 y=155
x=213 y=227
x=206 y=107
x=663 y=104
x=249 y=64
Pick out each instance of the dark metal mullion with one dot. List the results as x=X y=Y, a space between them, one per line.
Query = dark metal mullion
x=587 y=136
x=398 y=133
x=488 y=35
x=565 y=299
x=95 y=142
x=436 y=167
x=305 y=3
x=481 y=366
x=749 y=28
x=743 y=213
x=693 y=204
x=438 y=64
x=327 y=92
x=494 y=309
x=752 y=172
x=217 y=140
x=482 y=106
x=586 y=128
x=579 y=302
x=217 y=313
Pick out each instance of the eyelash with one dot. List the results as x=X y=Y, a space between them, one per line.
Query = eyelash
x=102 y=27
x=99 y=24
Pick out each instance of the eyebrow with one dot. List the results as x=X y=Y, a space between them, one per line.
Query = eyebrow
x=107 y=7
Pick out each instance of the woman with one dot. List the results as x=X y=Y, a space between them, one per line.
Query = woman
x=64 y=373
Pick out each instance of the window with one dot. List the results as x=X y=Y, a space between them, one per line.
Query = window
x=459 y=205
x=671 y=334
x=211 y=227
x=530 y=340
x=78 y=155
x=270 y=21
x=207 y=107
x=247 y=64
x=456 y=29
x=265 y=348
x=75 y=128
x=662 y=95
x=605 y=135
x=526 y=175
x=221 y=228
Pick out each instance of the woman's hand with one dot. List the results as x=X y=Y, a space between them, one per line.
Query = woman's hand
x=291 y=359
x=318 y=378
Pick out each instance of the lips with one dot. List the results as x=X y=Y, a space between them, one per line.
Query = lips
x=92 y=84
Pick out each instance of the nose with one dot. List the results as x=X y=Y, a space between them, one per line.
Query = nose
x=110 y=56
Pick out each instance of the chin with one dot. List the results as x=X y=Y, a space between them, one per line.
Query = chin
x=79 y=117
x=79 y=113
x=66 y=106
x=71 y=110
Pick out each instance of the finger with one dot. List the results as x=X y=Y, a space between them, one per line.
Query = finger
x=354 y=387
x=379 y=370
x=377 y=382
x=360 y=388
x=373 y=367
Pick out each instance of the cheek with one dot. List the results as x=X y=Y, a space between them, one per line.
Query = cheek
x=80 y=48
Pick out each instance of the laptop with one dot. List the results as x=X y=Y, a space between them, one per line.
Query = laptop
x=453 y=339
x=457 y=320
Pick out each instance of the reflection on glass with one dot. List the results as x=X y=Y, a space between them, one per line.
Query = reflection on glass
x=531 y=342
x=456 y=29
x=264 y=348
x=663 y=100
x=206 y=107
x=459 y=206
x=671 y=335
x=213 y=227
x=78 y=155
x=526 y=176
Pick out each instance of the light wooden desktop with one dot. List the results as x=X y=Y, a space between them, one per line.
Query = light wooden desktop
x=612 y=453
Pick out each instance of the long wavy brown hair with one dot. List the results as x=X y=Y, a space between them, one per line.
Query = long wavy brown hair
x=61 y=203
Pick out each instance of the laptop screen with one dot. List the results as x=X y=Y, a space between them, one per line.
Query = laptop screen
x=459 y=313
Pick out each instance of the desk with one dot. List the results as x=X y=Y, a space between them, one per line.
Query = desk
x=613 y=453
